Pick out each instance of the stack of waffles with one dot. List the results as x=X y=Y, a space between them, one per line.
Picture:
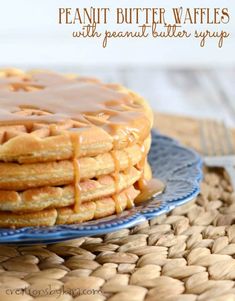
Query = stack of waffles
x=72 y=149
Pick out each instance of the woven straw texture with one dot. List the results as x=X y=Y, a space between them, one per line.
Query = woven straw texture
x=186 y=255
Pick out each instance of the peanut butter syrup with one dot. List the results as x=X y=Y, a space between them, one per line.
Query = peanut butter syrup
x=130 y=202
x=149 y=189
x=116 y=176
x=76 y=142
x=65 y=99
x=118 y=207
x=129 y=162
x=116 y=170
x=140 y=166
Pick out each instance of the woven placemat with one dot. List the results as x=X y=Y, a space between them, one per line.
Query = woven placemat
x=186 y=255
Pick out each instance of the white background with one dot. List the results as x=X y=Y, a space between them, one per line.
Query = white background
x=31 y=36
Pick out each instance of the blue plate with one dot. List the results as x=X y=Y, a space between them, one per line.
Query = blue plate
x=178 y=167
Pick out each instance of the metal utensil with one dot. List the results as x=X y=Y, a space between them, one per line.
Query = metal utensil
x=218 y=147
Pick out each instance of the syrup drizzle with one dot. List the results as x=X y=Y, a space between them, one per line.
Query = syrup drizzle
x=70 y=98
x=52 y=129
x=140 y=166
x=116 y=177
x=76 y=142
x=130 y=202
x=149 y=189
x=129 y=162
x=118 y=207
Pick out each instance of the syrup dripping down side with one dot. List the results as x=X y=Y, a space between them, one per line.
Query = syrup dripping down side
x=148 y=188
x=116 y=175
x=76 y=143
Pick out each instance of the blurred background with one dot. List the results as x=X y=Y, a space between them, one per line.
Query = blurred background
x=175 y=75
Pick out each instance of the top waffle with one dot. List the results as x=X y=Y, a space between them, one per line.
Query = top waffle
x=46 y=116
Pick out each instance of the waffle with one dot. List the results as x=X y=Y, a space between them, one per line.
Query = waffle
x=37 y=199
x=23 y=176
x=89 y=210
x=72 y=148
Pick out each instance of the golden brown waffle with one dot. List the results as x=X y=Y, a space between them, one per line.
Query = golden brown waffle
x=14 y=176
x=88 y=211
x=37 y=199
x=71 y=148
